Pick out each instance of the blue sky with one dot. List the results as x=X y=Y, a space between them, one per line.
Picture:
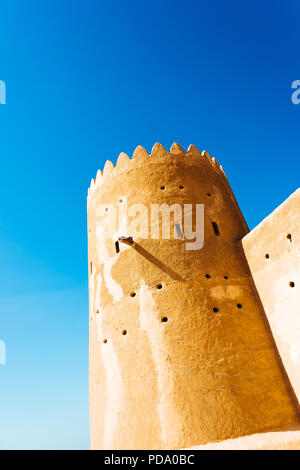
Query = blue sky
x=85 y=81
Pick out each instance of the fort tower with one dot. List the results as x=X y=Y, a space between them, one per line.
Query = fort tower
x=181 y=351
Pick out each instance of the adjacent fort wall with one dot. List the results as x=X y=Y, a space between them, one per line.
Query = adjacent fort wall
x=272 y=250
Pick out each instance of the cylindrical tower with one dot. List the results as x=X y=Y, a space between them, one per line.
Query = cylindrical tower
x=180 y=350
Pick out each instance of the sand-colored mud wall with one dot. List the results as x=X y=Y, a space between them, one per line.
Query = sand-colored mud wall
x=272 y=250
x=180 y=353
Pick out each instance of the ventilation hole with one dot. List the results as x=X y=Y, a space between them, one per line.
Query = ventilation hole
x=164 y=319
x=121 y=200
x=106 y=209
x=292 y=284
x=239 y=305
x=225 y=277
x=159 y=286
x=207 y=276
x=91 y=267
x=124 y=332
x=132 y=294
x=181 y=187
x=208 y=194
x=162 y=187
x=215 y=309
x=267 y=256
x=105 y=341
x=289 y=236
x=216 y=228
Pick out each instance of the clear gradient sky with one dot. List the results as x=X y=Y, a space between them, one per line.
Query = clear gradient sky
x=85 y=81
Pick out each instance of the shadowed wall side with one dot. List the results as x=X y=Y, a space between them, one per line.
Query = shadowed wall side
x=272 y=250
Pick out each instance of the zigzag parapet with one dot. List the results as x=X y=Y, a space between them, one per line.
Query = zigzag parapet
x=140 y=157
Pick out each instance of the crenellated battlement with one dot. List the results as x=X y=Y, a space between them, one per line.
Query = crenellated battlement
x=159 y=154
x=142 y=157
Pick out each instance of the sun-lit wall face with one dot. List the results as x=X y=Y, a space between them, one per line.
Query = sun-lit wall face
x=180 y=352
x=272 y=250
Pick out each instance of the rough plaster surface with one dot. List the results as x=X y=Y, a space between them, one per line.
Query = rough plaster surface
x=280 y=440
x=202 y=376
x=272 y=277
